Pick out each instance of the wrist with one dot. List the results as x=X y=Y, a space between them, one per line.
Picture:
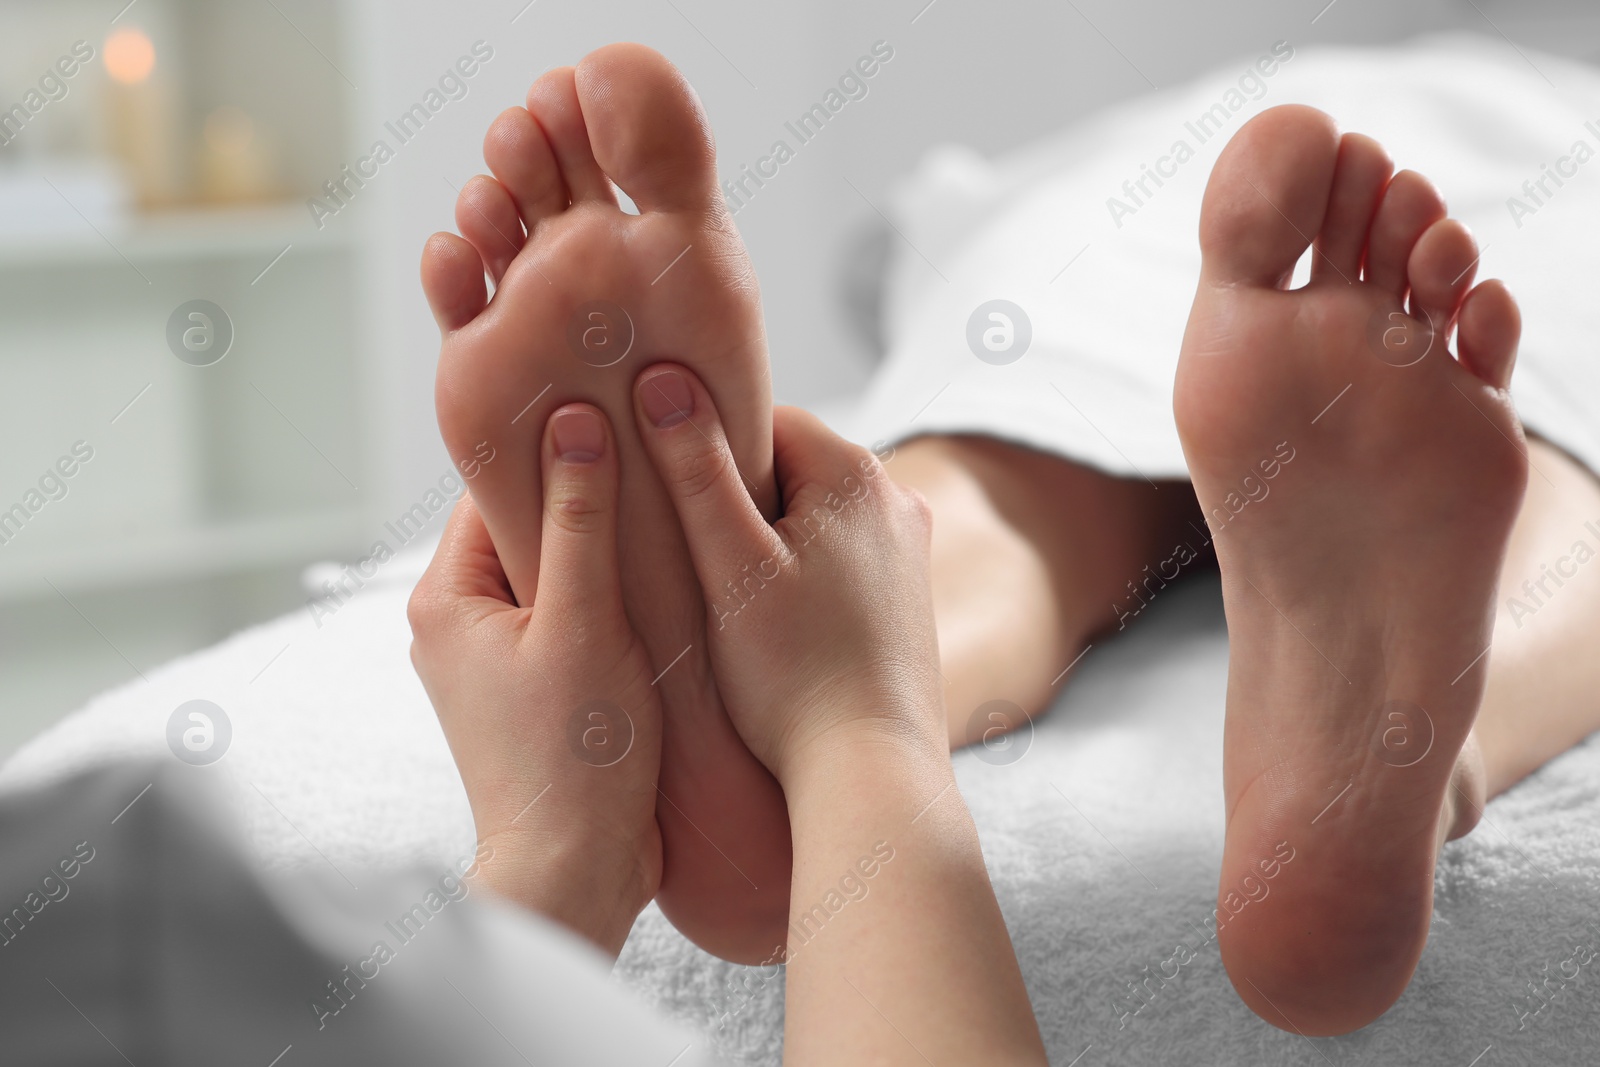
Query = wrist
x=595 y=892
x=891 y=753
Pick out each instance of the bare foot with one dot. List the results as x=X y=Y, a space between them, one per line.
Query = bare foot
x=1361 y=483
x=586 y=296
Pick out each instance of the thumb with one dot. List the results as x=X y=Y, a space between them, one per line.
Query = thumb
x=818 y=471
x=683 y=435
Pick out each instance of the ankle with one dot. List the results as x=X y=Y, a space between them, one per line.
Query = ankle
x=1464 y=801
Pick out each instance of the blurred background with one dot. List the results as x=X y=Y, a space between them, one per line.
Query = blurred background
x=208 y=388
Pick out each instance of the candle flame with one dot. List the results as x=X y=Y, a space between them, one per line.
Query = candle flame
x=130 y=56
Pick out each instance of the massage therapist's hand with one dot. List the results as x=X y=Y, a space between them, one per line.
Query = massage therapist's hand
x=821 y=622
x=822 y=640
x=548 y=709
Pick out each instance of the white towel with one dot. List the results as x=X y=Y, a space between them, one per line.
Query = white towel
x=1103 y=261
x=1103 y=841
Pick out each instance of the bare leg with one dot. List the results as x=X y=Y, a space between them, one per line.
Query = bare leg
x=1031 y=555
x=1031 y=552
x=1543 y=690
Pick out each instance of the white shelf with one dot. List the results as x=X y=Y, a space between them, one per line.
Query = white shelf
x=198 y=552
x=186 y=235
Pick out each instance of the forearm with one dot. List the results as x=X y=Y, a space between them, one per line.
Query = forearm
x=897 y=951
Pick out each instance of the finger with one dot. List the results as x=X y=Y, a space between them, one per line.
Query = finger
x=807 y=453
x=463 y=589
x=683 y=435
x=465 y=563
x=578 y=568
x=819 y=471
x=464 y=576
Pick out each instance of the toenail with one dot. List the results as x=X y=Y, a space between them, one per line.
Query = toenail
x=667 y=399
x=579 y=436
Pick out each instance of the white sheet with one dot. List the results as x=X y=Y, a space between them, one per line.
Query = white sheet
x=1108 y=288
x=1103 y=842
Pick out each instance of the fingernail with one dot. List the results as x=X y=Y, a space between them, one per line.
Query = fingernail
x=667 y=399
x=579 y=436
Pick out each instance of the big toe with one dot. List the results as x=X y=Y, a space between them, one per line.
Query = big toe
x=647 y=128
x=1267 y=196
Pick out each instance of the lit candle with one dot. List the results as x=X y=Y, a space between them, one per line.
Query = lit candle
x=140 y=117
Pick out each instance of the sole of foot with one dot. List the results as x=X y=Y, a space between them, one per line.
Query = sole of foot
x=1361 y=482
x=586 y=295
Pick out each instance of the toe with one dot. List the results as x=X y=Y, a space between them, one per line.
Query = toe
x=553 y=101
x=452 y=277
x=487 y=217
x=1490 y=328
x=1267 y=195
x=647 y=128
x=1440 y=272
x=1359 y=178
x=518 y=152
x=1410 y=205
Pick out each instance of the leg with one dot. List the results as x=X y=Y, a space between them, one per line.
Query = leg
x=1540 y=699
x=1032 y=557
